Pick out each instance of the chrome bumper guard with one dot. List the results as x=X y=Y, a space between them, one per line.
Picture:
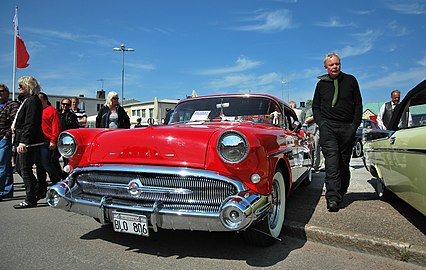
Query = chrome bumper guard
x=236 y=213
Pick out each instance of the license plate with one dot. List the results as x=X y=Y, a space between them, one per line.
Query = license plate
x=130 y=223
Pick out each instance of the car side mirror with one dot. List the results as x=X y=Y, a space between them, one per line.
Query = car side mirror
x=370 y=135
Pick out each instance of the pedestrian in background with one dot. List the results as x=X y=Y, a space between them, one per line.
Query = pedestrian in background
x=47 y=160
x=112 y=115
x=81 y=114
x=337 y=109
x=68 y=119
x=8 y=110
x=28 y=136
x=299 y=112
x=313 y=129
x=138 y=123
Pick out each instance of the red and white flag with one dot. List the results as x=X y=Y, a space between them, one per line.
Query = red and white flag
x=22 y=55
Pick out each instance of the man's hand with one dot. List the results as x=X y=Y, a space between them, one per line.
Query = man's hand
x=52 y=146
x=22 y=148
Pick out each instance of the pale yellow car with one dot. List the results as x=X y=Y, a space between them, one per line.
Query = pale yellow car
x=397 y=157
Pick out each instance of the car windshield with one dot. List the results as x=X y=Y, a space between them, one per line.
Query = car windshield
x=241 y=108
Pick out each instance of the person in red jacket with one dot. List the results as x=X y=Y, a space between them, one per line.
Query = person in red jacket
x=51 y=127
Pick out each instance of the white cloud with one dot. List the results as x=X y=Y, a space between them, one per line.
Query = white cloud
x=141 y=66
x=89 y=39
x=334 y=22
x=364 y=43
x=248 y=81
x=397 y=28
x=241 y=64
x=422 y=61
x=362 y=12
x=414 y=7
x=270 y=21
x=398 y=79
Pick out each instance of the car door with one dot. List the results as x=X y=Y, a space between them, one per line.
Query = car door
x=408 y=155
x=300 y=160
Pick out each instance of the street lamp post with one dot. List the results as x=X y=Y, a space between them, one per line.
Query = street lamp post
x=123 y=49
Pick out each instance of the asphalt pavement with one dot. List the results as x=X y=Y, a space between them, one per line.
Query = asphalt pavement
x=365 y=223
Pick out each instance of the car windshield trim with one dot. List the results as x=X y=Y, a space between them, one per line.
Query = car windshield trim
x=258 y=109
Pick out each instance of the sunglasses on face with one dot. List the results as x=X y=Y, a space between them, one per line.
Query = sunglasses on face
x=66 y=104
x=116 y=98
x=20 y=86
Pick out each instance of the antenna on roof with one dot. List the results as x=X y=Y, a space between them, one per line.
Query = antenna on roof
x=102 y=83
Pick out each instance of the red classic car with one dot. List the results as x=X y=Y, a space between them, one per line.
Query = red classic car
x=223 y=163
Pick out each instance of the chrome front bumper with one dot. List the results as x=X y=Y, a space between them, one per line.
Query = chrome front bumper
x=237 y=212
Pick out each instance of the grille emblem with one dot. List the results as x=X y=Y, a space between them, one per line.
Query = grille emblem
x=134 y=187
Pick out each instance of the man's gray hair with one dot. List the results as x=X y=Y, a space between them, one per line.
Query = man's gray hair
x=330 y=55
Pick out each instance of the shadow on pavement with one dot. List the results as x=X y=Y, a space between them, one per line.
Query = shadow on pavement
x=301 y=205
x=407 y=211
x=182 y=244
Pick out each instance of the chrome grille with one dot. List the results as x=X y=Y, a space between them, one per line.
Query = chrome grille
x=206 y=193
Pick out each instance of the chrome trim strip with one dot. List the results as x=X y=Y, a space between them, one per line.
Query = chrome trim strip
x=397 y=150
x=286 y=152
x=129 y=168
x=150 y=189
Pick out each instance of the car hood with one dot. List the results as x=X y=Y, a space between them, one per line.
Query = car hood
x=177 y=145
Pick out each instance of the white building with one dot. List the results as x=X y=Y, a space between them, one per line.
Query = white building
x=90 y=105
x=155 y=109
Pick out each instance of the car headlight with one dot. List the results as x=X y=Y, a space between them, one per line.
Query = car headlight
x=67 y=145
x=232 y=146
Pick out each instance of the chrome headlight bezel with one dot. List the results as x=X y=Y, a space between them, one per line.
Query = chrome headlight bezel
x=232 y=146
x=67 y=145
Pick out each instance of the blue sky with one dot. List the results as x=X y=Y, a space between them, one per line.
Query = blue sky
x=220 y=46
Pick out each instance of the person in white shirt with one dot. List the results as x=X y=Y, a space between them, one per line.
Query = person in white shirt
x=386 y=111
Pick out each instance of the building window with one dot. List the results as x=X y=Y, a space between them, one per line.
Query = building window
x=136 y=112
x=151 y=112
x=143 y=113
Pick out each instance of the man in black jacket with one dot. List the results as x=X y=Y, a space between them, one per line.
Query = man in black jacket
x=337 y=109
x=68 y=119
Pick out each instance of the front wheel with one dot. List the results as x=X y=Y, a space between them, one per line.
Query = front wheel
x=382 y=192
x=265 y=232
x=357 y=149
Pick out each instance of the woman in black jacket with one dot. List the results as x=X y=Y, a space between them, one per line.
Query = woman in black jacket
x=28 y=136
x=112 y=115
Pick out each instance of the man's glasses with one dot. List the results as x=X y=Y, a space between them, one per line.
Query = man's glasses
x=2 y=91
x=66 y=104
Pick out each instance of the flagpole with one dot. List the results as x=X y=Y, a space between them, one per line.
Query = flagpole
x=15 y=26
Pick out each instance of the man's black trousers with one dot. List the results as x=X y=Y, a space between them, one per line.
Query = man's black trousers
x=337 y=140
